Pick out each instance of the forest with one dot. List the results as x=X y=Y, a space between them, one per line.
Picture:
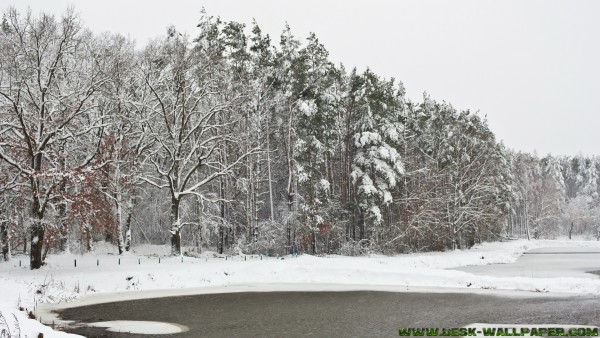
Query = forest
x=231 y=141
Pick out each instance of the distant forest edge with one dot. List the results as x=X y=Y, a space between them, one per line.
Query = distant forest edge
x=229 y=141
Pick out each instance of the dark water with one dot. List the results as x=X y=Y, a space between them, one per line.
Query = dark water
x=333 y=314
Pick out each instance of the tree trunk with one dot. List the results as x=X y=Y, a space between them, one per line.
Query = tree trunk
x=176 y=243
x=361 y=225
x=199 y=239
x=37 y=214
x=527 y=220
x=37 y=241
x=37 y=235
x=271 y=207
x=290 y=183
x=124 y=223
x=62 y=210
x=89 y=240
x=175 y=228
x=250 y=226
x=64 y=228
x=571 y=230
x=120 y=225
x=471 y=238
x=64 y=239
x=5 y=240
x=221 y=239
x=221 y=242
x=128 y=231
x=289 y=220
x=255 y=203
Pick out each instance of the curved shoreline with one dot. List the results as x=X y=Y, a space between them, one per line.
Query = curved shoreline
x=50 y=311
x=331 y=276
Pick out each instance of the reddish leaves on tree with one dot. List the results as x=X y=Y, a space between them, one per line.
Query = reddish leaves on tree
x=91 y=208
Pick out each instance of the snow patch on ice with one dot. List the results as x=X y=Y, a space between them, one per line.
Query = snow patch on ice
x=141 y=327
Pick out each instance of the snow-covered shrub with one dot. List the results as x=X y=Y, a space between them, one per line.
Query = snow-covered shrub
x=355 y=248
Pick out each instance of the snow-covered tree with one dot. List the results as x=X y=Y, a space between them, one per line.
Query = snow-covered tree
x=125 y=98
x=377 y=166
x=256 y=146
x=49 y=78
x=189 y=85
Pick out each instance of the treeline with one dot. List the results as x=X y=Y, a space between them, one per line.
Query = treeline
x=230 y=141
x=555 y=196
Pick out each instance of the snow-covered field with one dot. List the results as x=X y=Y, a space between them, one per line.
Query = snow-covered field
x=99 y=275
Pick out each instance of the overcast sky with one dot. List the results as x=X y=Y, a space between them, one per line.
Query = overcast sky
x=533 y=67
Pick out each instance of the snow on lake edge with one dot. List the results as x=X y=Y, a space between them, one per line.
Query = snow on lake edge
x=99 y=274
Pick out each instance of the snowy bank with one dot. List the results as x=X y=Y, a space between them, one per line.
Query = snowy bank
x=101 y=277
x=17 y=324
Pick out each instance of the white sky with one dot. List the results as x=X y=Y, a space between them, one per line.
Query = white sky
x=532 y=67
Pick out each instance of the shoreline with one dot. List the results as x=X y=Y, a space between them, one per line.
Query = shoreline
x=94 y=280
x=51 y=311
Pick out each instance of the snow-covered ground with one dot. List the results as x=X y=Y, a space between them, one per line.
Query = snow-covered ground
x=101 y=274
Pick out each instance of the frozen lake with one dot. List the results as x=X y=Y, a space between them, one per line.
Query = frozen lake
x=333 y=314
x=546 y=263
x=358 y=313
